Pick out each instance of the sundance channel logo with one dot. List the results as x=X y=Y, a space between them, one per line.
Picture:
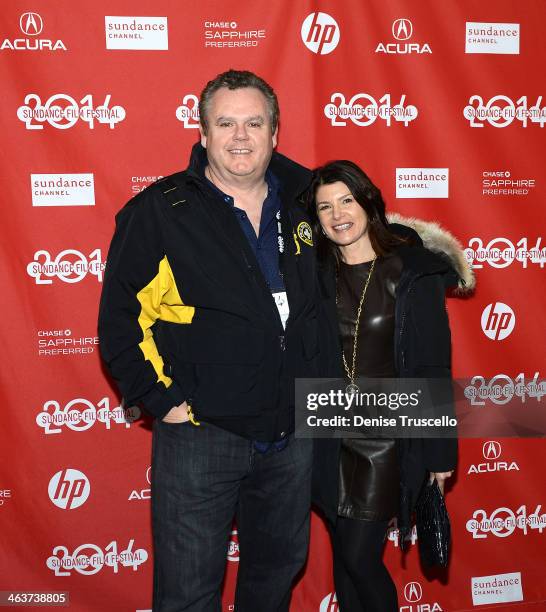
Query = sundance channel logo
x=422 y=182
x=63 y=189
x=498 y=588
x=136 y=33
x=497 y=38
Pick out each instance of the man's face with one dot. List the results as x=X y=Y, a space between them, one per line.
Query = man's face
x=239 y=140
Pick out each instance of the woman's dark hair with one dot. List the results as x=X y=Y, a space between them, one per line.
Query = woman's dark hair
x=365 y=193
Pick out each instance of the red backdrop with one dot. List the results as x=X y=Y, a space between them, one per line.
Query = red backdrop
x=441 y=103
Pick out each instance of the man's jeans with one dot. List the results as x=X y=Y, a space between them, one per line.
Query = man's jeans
x=201 y=478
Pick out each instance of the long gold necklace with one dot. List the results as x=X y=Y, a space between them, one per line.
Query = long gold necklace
x=352 y=387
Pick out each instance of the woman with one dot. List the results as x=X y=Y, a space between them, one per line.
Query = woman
x=384 y=289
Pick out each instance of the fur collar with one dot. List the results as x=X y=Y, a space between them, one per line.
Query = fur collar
x=438 y=240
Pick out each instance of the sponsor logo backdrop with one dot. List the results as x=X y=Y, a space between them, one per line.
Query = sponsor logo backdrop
x=441 y=103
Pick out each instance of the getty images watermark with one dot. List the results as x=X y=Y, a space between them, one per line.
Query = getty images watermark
x=418 y=408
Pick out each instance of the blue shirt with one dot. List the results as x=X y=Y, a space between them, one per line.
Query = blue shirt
x=265 y=244
x=266 y=249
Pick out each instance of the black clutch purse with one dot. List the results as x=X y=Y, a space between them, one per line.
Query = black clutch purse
x=433 y=527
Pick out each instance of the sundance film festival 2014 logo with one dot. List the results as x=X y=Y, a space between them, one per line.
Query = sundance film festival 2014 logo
x=320 y=33
x=498 y=321
x=501 y=389
x=501 y=252
x=492 y=451
x=500 y=111
x=188 y=111
x=363 y=110
x=80 y=414
x=89 y=559
x=69 y=266
x=31 y=25
x=62 y=112
x=69 y=489
x=503 y=522
x=402 y=32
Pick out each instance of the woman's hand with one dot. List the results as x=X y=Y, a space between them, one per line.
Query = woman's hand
x=440 y=478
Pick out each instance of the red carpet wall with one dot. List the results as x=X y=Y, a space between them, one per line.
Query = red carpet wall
x=442 y=103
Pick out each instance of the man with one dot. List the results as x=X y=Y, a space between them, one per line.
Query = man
x=208 y=313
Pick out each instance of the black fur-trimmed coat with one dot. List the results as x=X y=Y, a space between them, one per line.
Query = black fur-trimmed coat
x=434 y=263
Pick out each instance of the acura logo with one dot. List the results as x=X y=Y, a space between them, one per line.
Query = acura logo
x=491 y=450
x=413 y=592
x=31 y=24
x=402 y=29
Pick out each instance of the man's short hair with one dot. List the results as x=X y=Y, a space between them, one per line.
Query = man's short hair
x=238 y=79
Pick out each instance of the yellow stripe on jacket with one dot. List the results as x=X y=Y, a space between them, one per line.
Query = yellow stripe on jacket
x=160 y=300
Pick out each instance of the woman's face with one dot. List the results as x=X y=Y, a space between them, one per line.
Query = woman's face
x=342 y=218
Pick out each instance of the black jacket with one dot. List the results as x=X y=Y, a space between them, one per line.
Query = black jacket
x=186 y=314
x=422 y=348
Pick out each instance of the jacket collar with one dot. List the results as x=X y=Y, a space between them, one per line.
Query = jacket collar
x=436 y=251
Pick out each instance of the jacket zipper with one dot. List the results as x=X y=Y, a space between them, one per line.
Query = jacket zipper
x=402 y=323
